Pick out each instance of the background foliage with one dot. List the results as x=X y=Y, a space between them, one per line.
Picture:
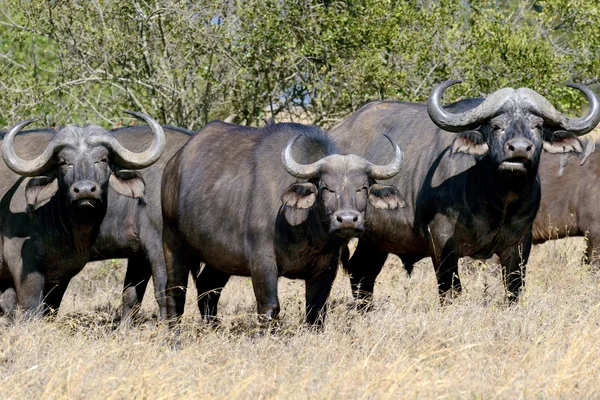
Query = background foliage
x=187 y=62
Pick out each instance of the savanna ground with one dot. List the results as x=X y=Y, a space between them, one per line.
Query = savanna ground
x=548 y=346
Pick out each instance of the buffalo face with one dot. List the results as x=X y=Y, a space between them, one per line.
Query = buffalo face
x=78 y=166
x=513 y=126
x=339 y=189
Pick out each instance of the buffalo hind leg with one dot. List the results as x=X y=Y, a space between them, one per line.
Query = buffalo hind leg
x=592 y=250
x=363 y=267
x=317 y=292
x=178 y=260
x=53 y=295
x=137 y=277
x=514 y=261
x=210 y=283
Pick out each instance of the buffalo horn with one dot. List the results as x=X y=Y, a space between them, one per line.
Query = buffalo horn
x=300 y=171
x=390 y=170
x=35 y=167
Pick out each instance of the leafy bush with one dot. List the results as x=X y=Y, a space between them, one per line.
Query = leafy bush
x=186 y=62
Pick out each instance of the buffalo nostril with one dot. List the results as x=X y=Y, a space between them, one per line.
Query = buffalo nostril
x=355 y=218
x=93 y=189
x=76 y=190
x=339 y=218
x=529 y=148
x=511 y=147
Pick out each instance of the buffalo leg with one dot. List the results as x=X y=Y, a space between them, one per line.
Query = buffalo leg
x=363 y=267
x=178 y=260
x=156 y=259
x=591 y=251
x=210 y=283
x=8 y=297
x=317 y=292
x=264 y=281
x=136 y=280
x=444 y=250
x=514 y=261
x=53 y=295
x=30 y=292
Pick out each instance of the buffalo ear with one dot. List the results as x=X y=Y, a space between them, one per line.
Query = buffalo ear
x=470 y=142
x=40 y=189
x=128 y=183
x=385 y=197
x=563 y=142
x=297 y=201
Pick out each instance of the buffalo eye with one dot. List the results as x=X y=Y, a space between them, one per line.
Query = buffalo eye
x=496 y=127
x=326 y=189
x=362 y=189
x=102 y=160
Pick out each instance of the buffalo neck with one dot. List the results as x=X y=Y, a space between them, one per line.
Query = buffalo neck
x=501 y=187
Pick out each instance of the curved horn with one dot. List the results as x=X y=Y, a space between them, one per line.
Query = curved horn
x=130 y=160
x=390 y=170
x=547 y=111
x=230 y=119
x=300 y=171
x=35 y=167
x=469 y=119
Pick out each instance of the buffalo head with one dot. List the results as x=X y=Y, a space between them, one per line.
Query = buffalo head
x=339 y=187
x=513 y=126
x=80 y=163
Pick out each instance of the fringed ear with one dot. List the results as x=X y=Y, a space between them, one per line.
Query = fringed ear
x=297 y=201
x=39 y=190
x=563 y=142
x=128 y=183
x=590 y=146
x=385 y=197
x=470 y=142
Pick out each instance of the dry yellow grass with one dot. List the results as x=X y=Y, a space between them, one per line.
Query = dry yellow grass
x=408 y=347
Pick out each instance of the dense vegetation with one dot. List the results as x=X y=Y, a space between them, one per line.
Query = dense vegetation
x=188 y=62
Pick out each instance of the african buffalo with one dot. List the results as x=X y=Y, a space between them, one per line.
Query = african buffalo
x=53 y=205
x=569 y=201
x=132 y=228
x=475 y=193
x=228 y=201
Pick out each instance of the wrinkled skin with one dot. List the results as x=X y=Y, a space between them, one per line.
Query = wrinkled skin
x=50 y=221
x=474 y=193
x=237 y=210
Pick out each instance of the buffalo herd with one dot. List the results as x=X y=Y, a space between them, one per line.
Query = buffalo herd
x=416 y=180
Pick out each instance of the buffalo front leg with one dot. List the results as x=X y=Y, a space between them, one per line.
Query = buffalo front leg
x=363 y=267
x=210 y=283
x=317 y=292
x=265 y=277
x=8 y=297
x=445 y=255
x=136 y=280
x=514 y=261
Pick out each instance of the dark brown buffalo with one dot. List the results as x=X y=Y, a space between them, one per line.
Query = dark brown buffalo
x=473 y=193
x=569 y=203
x=53 y=205
x=228 y=201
